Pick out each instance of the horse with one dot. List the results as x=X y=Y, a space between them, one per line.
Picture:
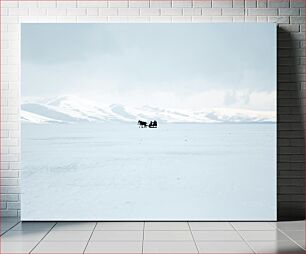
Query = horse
x=142 y=124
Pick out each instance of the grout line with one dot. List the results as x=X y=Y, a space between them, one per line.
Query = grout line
x=42 y=238
x=193 y=237
x=246 y=242
x=273 y=225
x=290 y=238
x=143 y=232
x=90 y=237
x=10 y=228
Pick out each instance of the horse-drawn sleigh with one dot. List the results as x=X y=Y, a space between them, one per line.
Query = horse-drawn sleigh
x=143 y=124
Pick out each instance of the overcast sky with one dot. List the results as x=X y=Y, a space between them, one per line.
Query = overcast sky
x=189 y=66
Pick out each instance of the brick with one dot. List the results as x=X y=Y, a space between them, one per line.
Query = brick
x=262 y=12
x=250 y=3
x=66 y=4
x=238 y=3
x=18 y=11
x=289 y=28
x=57 y=12
x=128 y=12
x=202 y=3
x=182 y=3
x=291 y=189
x=3 y=205
x=9 y=4
x=38 y=11
x=150 y=12
x=108 y=11
x=172 y=11
x=139 y=19
x=201 y=19
x=222 y=3
x=92 y=4
x=9 y=173
x=297 y=3
x=211 y=11
x=222 y=19
x=291 y=198
x=15 y=165
x=10 y=189
x=9 y=213
x=9 y=197
x=9 y=181
x=291 y=134
x=10 y=20
x=260 y=19
x=297 y=142
x=92 y=11
x=47 y=4
x=250 y=19
x=4 y=12
x=180 y=19
x=118 y=19
x=160 y=4
x=118 y=4
x=76 y=12
x=278 y=3
x=28 y=4
x=233 y=12
x=139 y=4
x=279 y=19
x=297 y=20
x=262 y=4
x=192 y=11
x=13 y=205
x=289 y=11
x=159 y=19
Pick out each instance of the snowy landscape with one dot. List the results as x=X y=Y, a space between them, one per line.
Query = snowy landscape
x=85 y=88
x=72 y=109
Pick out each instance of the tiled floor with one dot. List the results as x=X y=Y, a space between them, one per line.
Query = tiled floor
x=152 y=237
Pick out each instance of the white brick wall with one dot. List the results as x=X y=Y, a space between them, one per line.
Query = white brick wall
x=291 y=72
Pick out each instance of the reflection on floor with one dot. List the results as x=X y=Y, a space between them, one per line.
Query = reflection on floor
x=152 y=237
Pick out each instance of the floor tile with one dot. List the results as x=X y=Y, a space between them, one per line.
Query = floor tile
x=23 y=236
x=60 y=247
x=253 y=226
x=274 y=235
x=297 y=235
x=276 y=247
x=210 y=226
x=167 y=236
x=68 y=236
x=119 y=226
x=290 y=225
x=17 y=247
x=301 y=243
x=5 y=228
x=216 y=236
x=169 y=247
x=33 y=226
x=114 y=247
x=166 y=226
x=117 y=236
x=63 y=226
x=223 y=247
x=7 y=225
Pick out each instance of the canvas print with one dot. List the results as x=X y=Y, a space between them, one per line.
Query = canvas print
x=148 y=121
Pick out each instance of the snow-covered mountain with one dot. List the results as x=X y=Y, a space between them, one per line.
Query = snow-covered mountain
x=71 y=109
